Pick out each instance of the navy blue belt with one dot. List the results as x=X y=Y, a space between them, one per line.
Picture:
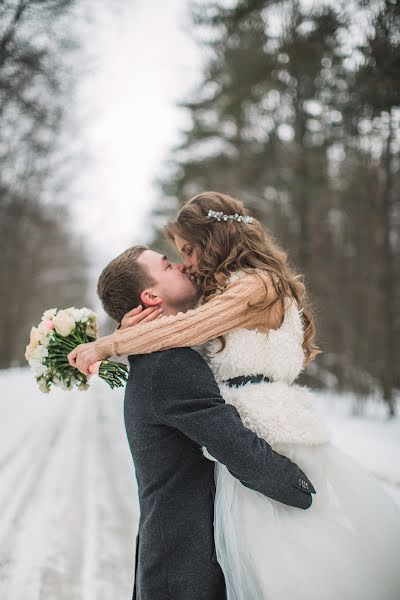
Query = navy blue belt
x=243 y=379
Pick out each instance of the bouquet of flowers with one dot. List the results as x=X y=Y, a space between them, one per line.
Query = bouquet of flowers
x=59 y=332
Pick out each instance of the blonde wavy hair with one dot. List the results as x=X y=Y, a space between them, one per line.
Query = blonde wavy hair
x=224 y=247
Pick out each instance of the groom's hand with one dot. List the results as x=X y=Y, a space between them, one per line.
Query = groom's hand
x=82 y=357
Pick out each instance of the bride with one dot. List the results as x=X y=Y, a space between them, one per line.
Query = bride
x=257 y=339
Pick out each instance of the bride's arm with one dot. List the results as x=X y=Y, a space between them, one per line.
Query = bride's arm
x=230 y=310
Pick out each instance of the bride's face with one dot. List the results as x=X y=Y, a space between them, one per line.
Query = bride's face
x=189 y=254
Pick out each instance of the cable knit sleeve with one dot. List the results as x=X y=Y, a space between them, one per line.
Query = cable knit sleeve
x=225 y=312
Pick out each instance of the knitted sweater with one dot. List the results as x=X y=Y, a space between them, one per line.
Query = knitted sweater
x=227 y=311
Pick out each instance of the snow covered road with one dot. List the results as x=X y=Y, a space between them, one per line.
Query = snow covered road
x=68 y=500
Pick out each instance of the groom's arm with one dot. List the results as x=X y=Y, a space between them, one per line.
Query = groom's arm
x=186 y=396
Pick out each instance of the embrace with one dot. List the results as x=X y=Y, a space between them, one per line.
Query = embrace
x=243 y=495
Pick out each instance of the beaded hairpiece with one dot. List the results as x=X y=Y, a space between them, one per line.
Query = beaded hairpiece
x=219 y=216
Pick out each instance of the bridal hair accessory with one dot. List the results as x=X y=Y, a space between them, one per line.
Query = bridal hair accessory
x=219 y=216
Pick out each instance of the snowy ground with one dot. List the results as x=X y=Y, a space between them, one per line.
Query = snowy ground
x=68 y=501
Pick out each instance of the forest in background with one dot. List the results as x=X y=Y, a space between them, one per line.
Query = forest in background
x=43 y=262
x=297 y=114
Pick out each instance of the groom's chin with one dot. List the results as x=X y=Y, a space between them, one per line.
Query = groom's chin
x=197 y=295
x=193 y=298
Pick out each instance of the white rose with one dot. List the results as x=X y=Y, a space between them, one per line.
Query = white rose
x=38 y=367
x=43 y=386
x=36 y=354
x=80 y=315
x=44 y=331
x=34 y=337
x=84 y=314
x=93 y=318
x=91 y=329
x=64 y=323
x=49 y=314
x=87 y=313
x=72 y=312
x=44 y=340
x=42 y=327
x=40 y=352
x=33 y=343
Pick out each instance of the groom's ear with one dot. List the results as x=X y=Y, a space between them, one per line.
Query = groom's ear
x=148 y=298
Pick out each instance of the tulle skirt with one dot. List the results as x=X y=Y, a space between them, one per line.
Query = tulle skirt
x=346 y=546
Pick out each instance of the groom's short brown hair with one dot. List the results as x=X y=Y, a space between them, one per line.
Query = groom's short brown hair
x=122 y=281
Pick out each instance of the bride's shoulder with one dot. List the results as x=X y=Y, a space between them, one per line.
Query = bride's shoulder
x=259 y=278
x=258 y=286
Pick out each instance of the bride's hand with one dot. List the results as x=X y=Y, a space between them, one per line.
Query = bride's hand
x=138 y=315
x=85 y=355
x=82 y=357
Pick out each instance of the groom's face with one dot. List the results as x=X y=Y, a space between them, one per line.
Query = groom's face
x=172 y=284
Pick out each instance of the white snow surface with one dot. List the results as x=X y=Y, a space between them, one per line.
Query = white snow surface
x=68 y=496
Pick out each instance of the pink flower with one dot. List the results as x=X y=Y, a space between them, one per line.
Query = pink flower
x=94 y=368
x=49 y=324
x=33 y=343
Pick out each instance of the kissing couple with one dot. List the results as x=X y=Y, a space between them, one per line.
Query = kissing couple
x=243 y=494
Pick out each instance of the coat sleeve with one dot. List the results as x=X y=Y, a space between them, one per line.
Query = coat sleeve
x=186 y=397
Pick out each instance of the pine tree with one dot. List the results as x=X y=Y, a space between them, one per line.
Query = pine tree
x=376 y=94
x=287 y=119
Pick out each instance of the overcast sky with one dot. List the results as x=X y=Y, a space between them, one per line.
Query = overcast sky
x=145 y=60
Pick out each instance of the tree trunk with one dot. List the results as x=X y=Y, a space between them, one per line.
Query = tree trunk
x=388 y=280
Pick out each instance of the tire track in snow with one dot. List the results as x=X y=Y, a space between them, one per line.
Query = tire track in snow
x=68 y=500
x=24 y=480
x=61 y=570
x=22 y=486
x=117 y=503
x=43 y=536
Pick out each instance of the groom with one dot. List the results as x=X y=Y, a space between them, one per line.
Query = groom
x=172 y=408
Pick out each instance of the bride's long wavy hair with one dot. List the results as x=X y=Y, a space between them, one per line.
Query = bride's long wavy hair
x=224 y=247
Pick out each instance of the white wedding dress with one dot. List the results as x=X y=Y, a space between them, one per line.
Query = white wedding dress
x=346 y=546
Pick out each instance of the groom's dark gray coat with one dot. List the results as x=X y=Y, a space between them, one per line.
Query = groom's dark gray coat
x=172 y=408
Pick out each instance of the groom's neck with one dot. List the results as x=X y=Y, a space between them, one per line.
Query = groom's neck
x=169 y=310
